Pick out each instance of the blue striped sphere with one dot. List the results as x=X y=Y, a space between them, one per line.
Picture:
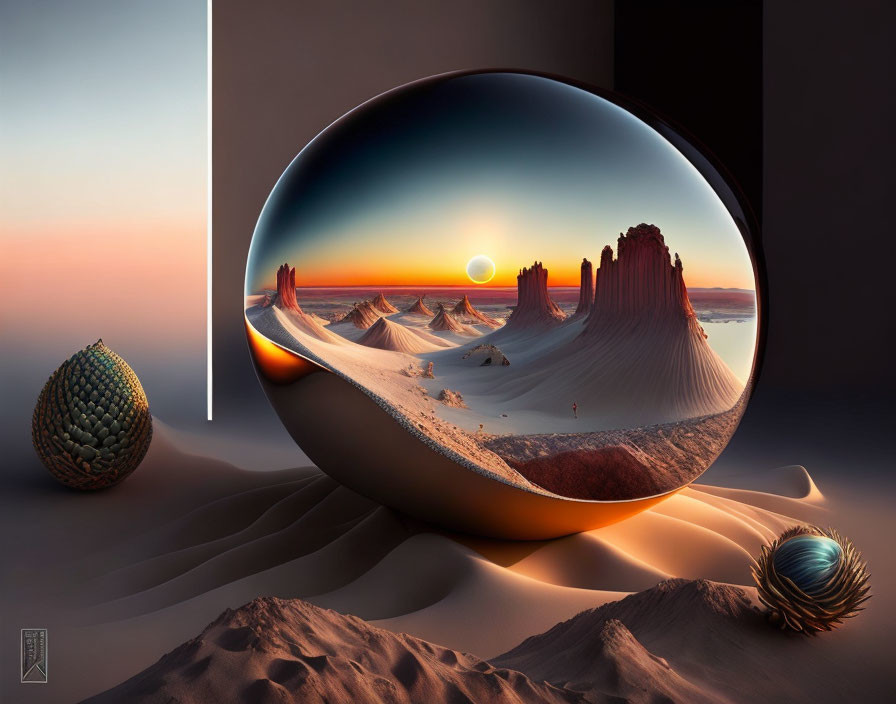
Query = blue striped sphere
x=809 y=561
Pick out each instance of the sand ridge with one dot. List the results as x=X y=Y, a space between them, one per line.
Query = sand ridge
x=300 y=535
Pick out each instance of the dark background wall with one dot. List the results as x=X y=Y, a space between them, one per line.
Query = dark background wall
x=795 y=99
x=826 y=395
x=699 y=64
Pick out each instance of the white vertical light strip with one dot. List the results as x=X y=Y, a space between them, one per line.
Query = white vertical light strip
x=208 y=216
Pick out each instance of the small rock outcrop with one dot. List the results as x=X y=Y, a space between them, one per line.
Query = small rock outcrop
x=452 y=398
x=487 y=355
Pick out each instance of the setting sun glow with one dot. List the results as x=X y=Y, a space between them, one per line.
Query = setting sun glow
x=480 y=269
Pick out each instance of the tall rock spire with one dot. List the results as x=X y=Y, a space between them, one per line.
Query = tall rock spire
x=642 y=280
x=586 y=289
x=533 y=304
x=286 y=288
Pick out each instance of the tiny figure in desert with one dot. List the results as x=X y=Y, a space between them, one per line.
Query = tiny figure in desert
x=575 y=410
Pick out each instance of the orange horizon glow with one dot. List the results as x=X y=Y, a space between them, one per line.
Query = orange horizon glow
x=568 y=278
x=124 y=287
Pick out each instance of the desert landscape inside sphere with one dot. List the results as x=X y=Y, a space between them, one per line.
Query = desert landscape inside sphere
x=600 y=350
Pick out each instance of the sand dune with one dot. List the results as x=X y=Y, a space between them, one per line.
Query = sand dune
x=386 y=335
x=285 y=326
x=692 y=641
x=303 y=536
x=465 y=311
x=419 y=308
x=680 y=640
x=273 y=650
x=363 y=315
x=620 y=381
x=446 y=321
x=792 y=481
x=381 y=304
x=268 y=540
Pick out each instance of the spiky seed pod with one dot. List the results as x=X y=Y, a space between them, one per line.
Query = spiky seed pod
x=811 y=579
x=91 y=426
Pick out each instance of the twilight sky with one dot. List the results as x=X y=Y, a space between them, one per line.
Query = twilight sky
x=103 y=189
x=514 y=167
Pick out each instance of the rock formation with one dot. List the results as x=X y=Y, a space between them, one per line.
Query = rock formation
x=641 y=282
x=586 y=290
x=642 y=346
x=465 y=311
x=534 y=306
x=452 y=398
x=286 y=288
x=420 y=308
x=363 y=315
x=282 y=315
x=381 y=304
x=642 y=357
x=487 y=355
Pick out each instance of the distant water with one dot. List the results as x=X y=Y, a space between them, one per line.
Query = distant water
x=734 y=342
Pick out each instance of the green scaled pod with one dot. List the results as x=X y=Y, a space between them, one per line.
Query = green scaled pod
x=91 y=426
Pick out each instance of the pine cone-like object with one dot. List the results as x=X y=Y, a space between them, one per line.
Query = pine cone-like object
x=91 y=426
x=811 y=579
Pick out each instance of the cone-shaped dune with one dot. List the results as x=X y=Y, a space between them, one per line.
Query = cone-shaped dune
x=363 y=315
x=387 y=335
x=444 y=320
x=465 y=310
x=419 y=307
x=381 y=304
x=534 y=307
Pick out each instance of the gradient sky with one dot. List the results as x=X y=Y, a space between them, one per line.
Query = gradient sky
x=103 y=187
x=515 y=167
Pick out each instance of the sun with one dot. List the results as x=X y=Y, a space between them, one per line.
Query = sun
x=480 y=269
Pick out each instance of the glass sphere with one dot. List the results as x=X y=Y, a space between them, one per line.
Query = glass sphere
x=505 y=304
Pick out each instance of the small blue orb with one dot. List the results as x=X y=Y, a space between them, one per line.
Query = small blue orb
x=809 y=561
